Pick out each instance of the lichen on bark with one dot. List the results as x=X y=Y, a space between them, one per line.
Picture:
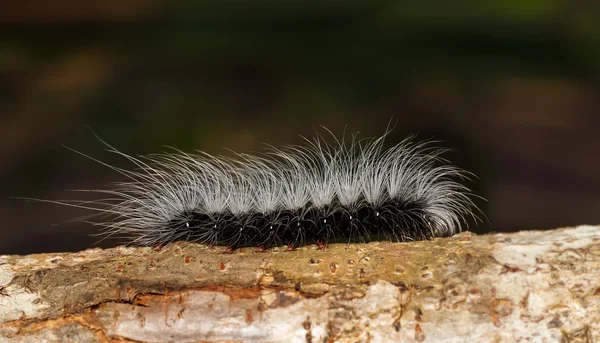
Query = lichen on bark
x=533 y=285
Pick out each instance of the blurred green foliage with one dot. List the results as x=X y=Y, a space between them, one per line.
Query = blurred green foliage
x=499 y=80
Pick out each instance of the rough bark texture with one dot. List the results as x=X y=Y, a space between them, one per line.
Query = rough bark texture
x=532 y=286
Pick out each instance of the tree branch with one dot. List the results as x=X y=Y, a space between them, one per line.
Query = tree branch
x=537 y=286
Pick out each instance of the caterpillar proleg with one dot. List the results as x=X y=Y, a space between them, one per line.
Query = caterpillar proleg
x=345 y=190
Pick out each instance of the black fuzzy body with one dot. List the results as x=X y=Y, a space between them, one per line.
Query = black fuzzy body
x=393 y=220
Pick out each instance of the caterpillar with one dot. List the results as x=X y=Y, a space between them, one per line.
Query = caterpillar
x=341 y=190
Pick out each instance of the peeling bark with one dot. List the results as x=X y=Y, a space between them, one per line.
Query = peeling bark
x=531 y=286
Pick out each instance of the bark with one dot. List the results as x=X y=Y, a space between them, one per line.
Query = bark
x=531 y=286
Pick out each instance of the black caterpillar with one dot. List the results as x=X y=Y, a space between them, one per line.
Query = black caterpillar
x=356 y=190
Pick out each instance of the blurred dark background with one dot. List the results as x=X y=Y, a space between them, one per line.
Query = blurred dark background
x=512 y=86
